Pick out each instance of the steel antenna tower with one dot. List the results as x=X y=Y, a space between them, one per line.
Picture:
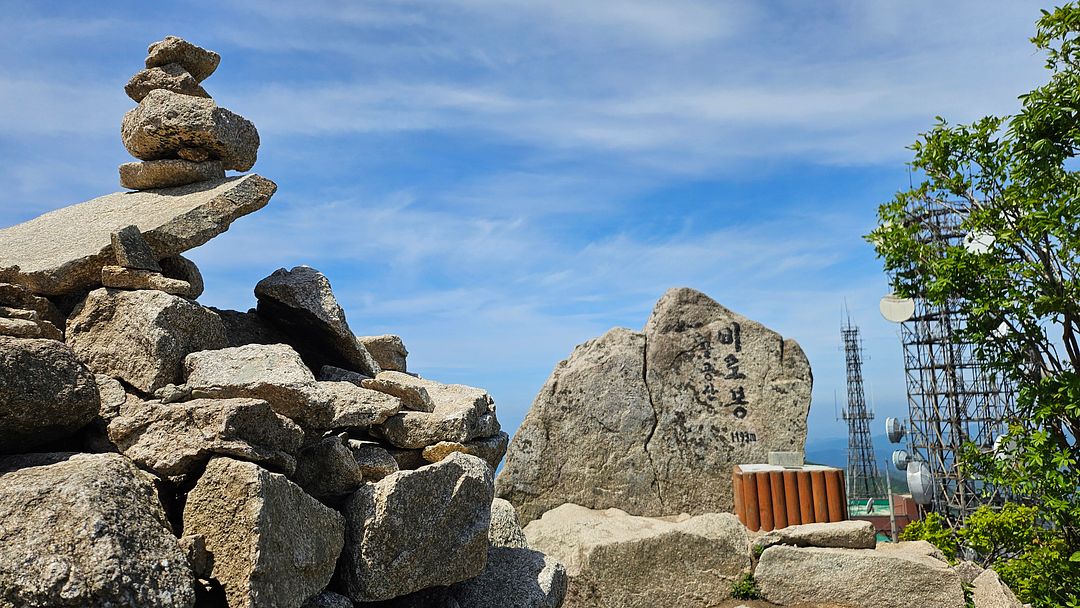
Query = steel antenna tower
x=864 y=481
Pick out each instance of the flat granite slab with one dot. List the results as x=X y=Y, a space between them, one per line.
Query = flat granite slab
x=63 y=251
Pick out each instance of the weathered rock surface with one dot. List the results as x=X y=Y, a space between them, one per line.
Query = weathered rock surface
x=177 y=438
x=272 y=544
x=616 y=559
x=462 y=413
x=63 y=251
x=652 y=422
x=490 y=449
x=167 y=173
x=792 y=576
x=19 y=297
x=375 y=461
x=87 y=531
x=354 y=407
x=273 y=372
x=113 y=397
x=132 y=250
x=28 y=328
x=118 y=277
x=989 y=592
x=329 y=373
x=505 y=530
x=141 y=337
x=410 y=389
x=249 y=328
x=198 y=62
x=182 y=269
x=328 y=599
x=417 y=529
x=171 y=76
x=164 y=122
x=301 y=303
x=850 y=534
x=388 y=350
x=45 y=393
x=326 y=468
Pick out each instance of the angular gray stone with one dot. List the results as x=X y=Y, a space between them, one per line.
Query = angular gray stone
x=409 y=389
x=616 y=559
x=132 y=250
x=194 y=548
x=249 y=328
x=63 y=251
x=329 y=373
x=141 y=337
x=374 y=460
x=86 y=530
x=19 y=297
x=856 y=577
x=417 y=529
x=490 y=449
x=388 y=350
x=989 y=592
x=407 y=460
x=112 y=396
x=178 y=438
x=18 y=313
x=354 y=407
x=199 y=62
x=167 y=173
x=505 y=530
x=326 y=468
x=652 y=422
x=301 y=303
x=118 y=277
x=26 y=328
x=45 y=393
x=328 y=599
x=968 y=571
x=850 y=534
x=272 y=544
x=182 y=269
x=462 y=413
x=171 y=76
x=165 y=122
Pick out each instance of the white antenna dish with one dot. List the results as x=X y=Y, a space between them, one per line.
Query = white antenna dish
x=894 y=429
x=897 y=309
x=1003 y=446
x=920 y=482
x=901 y=459
x=978 y=242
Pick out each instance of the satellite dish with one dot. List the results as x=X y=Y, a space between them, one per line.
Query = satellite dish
x=897 y=309
x=901 y=459
x=978 y=242
x=1003 y=447
x=920 y=482
x=894 y=429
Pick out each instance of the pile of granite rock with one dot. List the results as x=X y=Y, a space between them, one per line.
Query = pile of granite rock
x=158 y=452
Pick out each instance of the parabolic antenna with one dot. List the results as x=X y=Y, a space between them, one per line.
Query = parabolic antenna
x=901 y=459
x=920 y=482
x=894 y=429
x=897 y=309
x=978 y=242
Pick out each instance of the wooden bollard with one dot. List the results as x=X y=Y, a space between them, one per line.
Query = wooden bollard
x=779 y=502
x=764 y=500
x=833 y=482
x=806 y=499
x=736 y=491
x=749 y=491
x=821 y=500
x=791 y=498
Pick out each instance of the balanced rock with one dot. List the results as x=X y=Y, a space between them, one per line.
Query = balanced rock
x=850 y=534
x=178 y=438
x=616 y=559
x=63 y=251
x=388 y=350
x=490 y=449
x=171 y=77
x=272 y=544
x=167 y=173
x=410 y=389
x=86 y=530
x=118 y=277
x=302 y=304
x=197 y=61
x=45 y=393
x=141 y=337
x=417 y=529
x=791 y=576
x=182 y=269
x=165 y=122
x=462 y=413
x=652 y=422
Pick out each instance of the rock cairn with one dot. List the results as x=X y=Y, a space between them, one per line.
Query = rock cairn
x=177 y=132
x=155 y=452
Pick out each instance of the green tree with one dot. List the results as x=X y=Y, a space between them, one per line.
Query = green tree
x=1014 y=184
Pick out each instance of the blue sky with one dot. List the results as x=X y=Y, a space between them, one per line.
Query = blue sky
x=497 y=182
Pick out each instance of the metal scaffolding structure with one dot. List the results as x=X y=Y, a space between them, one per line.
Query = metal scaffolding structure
x=863 y=478
x=953 y=397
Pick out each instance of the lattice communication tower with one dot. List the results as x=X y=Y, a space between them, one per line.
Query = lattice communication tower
x=863 y=480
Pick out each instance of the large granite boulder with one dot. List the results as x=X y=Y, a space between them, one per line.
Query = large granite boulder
x=141 y=337
x=461 y=414
x=989 y=592
x=417 y=529
x=301 y=303
x=652 y=422
x=272 y=544
x=87 y=531
x=45 y=393
x=792 y=576
x=388 y=350
x=850 y=534
x=63 y=251
x=165 y=122
x=614 y=559
x=178 y=438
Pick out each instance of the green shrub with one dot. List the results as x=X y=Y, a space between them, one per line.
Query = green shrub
x=932 y=529
x=745 y=588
